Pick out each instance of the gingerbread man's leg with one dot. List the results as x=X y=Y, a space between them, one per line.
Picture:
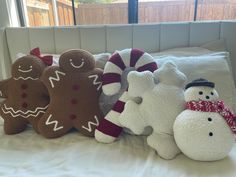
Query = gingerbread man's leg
x=34 y=122
x=88 y=121
x=53 y=125
x=14 y=125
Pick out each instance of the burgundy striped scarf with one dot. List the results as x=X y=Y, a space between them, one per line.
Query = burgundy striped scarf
x=214 y=106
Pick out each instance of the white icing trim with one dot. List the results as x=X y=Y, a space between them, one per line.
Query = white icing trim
x=77 y=67
x=16 y=115
x=57 y=78
x=25 y=71
x=89 y=128
x=26 y=112
x=35 y=113
x=55 y=122
x=25 y=78
x=95 y=82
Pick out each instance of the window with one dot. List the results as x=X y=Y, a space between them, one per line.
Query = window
x=48 y=12
x=216 y=10
x=85 y=12
x=101 y=11
x=165 y=10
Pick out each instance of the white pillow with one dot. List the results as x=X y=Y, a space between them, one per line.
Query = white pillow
x=211 y=67
x=207 y=48
x=183 y=52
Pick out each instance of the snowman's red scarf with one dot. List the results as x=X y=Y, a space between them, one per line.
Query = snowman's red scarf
x=214 y=106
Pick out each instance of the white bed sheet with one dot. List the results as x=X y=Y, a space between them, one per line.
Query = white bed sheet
x=74 y=155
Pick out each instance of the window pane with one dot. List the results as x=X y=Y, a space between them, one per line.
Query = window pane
x=101 y=11
x=165 y=10
x=42 y=13
x=216 y=10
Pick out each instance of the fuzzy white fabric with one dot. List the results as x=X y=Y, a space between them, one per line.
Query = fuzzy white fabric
x=160 y=105
x=74 y=155
x=191 y=132
x=203 y=136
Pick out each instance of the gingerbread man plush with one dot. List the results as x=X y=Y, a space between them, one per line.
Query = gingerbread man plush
x=74 y=88
x=26 y=97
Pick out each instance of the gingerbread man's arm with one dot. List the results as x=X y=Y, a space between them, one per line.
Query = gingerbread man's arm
x=140 y=82
x=96 y=78
x=52 y=76
x=4 y=88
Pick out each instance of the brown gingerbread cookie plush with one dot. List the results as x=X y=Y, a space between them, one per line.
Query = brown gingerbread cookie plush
x=26 y=97
x=74 y=88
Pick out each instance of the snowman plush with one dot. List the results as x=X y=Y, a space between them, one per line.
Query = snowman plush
x=205 y=130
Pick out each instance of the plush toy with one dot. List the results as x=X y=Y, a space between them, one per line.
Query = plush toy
x=204 y=131
x=26 y=96
x=160 y=105
x=74 y=88
x=109 y=128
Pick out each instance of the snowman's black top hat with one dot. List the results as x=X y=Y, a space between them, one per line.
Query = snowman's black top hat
x=200 y=82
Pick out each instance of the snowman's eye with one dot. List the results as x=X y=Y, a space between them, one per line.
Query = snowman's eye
x=209 y=119
x=210 y=134
x=200 y=93
x=212 y=93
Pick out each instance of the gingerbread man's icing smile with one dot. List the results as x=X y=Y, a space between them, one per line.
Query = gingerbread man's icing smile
x=25 y=71
x=77 y=66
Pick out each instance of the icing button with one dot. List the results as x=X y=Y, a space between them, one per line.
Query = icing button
x=23 y=95
x=24 y=105
x=24 y=86
x=72 y=116
x=75 y=87
x=73 y=101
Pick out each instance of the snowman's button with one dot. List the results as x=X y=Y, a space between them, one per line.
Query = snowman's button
x=210 y=134
x=209 y=119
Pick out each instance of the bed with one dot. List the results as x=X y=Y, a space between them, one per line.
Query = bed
x=74 y=155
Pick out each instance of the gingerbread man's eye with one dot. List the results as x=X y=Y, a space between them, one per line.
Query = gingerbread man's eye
x=19 y=66
x=31 y=66
x=71 y=60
